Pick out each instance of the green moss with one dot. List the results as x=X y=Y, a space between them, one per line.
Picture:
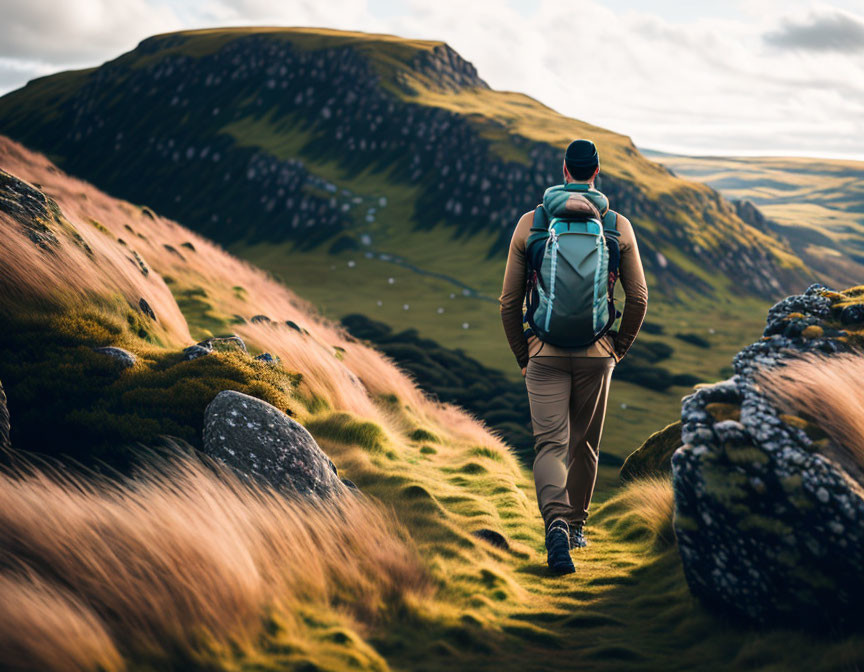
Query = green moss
x=202 y=315
x=758 y=523
x=725 y=485
x=490 y=453
x=347 y=428
x=97 y=410
x=421 y=434
x=746 y=455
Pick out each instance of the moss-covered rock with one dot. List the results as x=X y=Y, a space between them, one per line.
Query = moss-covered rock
x=769 y=526
x=259 y=440
x=70 y=400
x=653 y=457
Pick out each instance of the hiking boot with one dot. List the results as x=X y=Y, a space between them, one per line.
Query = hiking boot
x=558 y=548
x=577 y=538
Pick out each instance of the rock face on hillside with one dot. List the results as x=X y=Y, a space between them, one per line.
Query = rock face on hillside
x=259 y=440
x=768 y=525
x=37 y=214
x=444 y=69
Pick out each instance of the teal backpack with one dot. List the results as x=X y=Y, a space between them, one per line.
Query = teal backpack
x=572 y=261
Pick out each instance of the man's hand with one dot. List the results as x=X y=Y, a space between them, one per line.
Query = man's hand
x=524 y=369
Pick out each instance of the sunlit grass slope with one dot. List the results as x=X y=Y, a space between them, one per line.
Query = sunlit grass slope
x=817 y=203
x=396 y=581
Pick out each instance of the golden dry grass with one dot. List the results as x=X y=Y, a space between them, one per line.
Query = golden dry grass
x=347 y=383
x=826 y=391
x=184 y=558
x=643 y=508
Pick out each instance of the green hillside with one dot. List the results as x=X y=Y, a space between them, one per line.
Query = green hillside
x=382 y=176
x=816 y=204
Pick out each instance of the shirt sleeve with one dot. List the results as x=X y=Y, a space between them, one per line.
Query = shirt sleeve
x=632 y=277
x=513 y=292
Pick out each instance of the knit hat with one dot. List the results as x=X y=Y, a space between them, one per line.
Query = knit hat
x=581 y=157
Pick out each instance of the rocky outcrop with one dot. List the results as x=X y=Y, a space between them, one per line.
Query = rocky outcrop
x=38 y=215
x=5 y=429
x=654 y=457
x=146 y=309
x=257 y=439
x=770 y=527
x=441 y=68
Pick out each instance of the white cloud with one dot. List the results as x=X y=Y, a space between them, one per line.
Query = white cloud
x=761 y=80
x=78 y=32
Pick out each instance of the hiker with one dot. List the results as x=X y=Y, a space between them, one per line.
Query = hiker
x=564 y=260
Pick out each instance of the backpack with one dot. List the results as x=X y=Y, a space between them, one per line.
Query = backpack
x=572 y=260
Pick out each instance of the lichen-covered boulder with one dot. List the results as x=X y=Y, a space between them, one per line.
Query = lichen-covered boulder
x=769 y=527
x=232 y=343
x=197 y=350
x=257 y=439
x=654 y=457
x=5 y=441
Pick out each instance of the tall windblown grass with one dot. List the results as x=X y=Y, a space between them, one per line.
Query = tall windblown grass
x=643 y=509
x=182 y=558
x=352 y=382
x=828 y=392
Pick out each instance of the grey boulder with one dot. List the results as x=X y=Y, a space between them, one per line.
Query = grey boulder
x=769 y=525
x=125 y=358
x=215 y=344
x=257 y=439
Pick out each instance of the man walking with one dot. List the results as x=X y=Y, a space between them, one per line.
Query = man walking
x=566 y=256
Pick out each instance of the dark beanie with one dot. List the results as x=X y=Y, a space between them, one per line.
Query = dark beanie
x=581 y=157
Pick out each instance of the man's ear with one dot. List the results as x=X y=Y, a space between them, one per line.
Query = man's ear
x=567 y=175
x=594 y=176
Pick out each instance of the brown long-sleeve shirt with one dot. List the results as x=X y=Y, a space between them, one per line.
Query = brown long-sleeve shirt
x=512 y=298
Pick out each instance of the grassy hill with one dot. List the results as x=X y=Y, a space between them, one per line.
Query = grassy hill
x=382 y=176
x=816 y=204
x=395 y=581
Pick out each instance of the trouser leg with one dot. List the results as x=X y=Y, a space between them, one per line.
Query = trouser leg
x=549 y=385
x=590 y=381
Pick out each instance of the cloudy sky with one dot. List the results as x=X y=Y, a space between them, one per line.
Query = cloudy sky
x=730 y=77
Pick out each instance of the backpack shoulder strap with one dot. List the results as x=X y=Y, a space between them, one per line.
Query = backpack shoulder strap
x=539 y=231
x=541 y=220
x=610 y=223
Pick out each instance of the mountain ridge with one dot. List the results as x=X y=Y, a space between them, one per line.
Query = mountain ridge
x=414 y=113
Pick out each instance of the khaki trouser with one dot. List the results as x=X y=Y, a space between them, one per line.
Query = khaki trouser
x=568 y=405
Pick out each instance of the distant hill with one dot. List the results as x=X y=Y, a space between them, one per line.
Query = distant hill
x=816 y=204
x=382 y=176
x=270 y=135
